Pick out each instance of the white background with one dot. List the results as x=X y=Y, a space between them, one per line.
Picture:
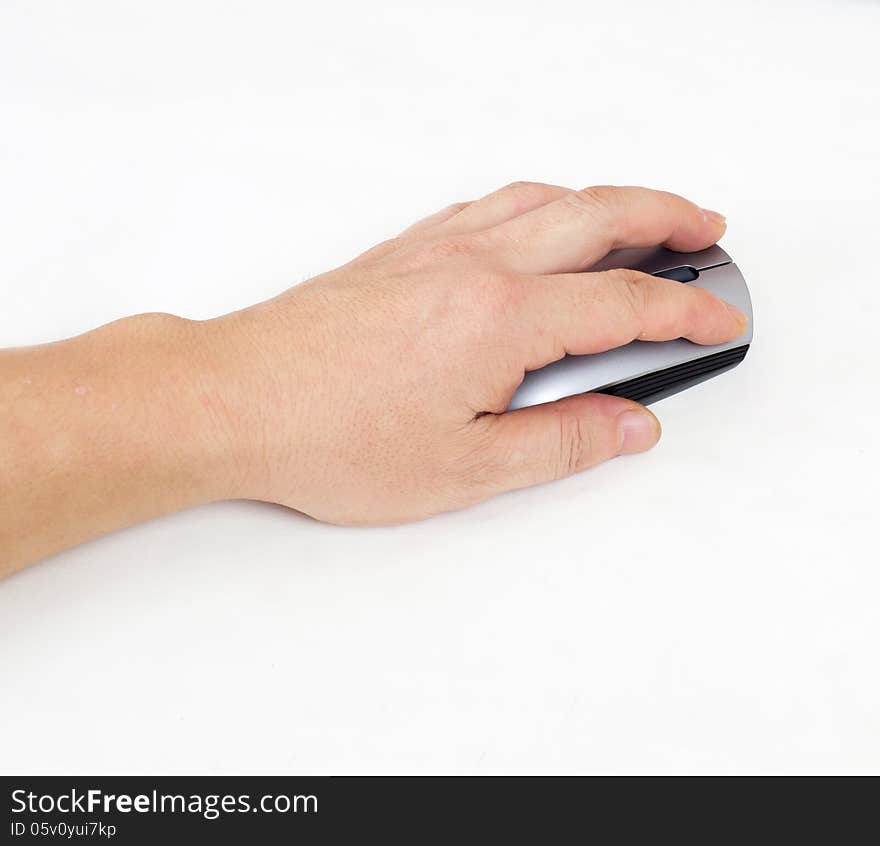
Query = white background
x=713 y=606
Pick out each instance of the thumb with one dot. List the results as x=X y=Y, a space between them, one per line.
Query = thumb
x=550 y=441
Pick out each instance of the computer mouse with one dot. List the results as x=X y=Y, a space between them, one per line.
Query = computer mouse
x=647 y=371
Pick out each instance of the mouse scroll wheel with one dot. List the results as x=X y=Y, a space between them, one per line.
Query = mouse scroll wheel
x=685 y=273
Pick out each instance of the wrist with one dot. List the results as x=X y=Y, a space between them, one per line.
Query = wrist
x=246 y=377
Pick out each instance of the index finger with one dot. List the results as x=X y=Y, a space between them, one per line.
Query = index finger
x=574 y=232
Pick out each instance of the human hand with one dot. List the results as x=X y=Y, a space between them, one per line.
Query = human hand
x=377 y=393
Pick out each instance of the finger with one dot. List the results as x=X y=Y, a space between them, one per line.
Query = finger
x=506 y=203
x=545 y=442
x=581 y=227
x=583 y=313
x=433 y=219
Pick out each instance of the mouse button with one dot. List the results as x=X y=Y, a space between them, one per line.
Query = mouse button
x=685 y=273
x=658 y=259
x=646 y=259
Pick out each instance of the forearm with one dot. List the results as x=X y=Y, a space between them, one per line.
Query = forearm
x=107 y=429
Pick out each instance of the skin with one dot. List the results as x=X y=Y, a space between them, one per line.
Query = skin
x=372 y=394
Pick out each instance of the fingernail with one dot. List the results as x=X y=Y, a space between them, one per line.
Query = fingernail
x=715 y=217
x=638 y=431
x=741 y=319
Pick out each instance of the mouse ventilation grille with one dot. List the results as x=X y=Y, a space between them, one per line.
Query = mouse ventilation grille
x=662 y=383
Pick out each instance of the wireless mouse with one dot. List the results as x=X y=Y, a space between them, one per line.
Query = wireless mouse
x=647 y=371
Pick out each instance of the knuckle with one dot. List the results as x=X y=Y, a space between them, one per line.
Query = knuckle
x=633 y=290
x=573 y=451
x=454 y=208
x=696 y=305
x=595 y=200
x=525 y=189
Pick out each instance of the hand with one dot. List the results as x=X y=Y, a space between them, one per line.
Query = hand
x=377 y=393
